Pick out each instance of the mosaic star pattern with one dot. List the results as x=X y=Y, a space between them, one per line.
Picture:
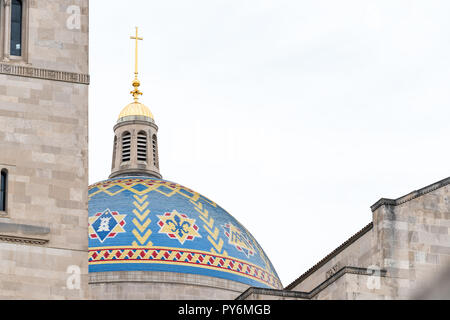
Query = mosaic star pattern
x=238 y=239
x=178 y=226
x=149 y=224
x=107 y=224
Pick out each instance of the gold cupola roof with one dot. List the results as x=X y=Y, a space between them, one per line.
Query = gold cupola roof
x=136 y=109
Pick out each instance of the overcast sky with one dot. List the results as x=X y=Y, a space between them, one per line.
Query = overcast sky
x=294 y=116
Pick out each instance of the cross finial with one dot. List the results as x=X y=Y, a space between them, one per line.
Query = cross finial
x=136 y=84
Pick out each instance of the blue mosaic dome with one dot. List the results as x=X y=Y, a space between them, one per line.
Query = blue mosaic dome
x=149 y=224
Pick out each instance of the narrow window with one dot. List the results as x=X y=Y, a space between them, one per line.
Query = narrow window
x=2 y=24
x=126 y=147
x=142 y=146
x=155 y=151
x=16 y=27
x=3 y=194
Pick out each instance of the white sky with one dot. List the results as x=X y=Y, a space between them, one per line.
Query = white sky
x=294 y=116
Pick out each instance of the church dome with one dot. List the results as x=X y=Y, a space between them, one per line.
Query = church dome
x=149 y=224
x=135 y=110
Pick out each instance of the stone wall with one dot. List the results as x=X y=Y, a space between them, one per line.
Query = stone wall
x=54 y=42
x=412 y=236
x=437 y=288
x=44 y=148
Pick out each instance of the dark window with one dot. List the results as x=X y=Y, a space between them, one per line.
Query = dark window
x=4 y=176
x=126 y=147
x=16 y=27
x=1 y=25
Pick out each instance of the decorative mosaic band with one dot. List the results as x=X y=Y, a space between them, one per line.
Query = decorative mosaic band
x=141 y=187
x=181 y=257
x=46 y=74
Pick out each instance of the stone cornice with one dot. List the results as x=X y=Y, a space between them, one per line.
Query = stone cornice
x=23 y=240
x=46 y=74
x=135 y=173
x=411 y=196
x=310 y=295
x=135 y=121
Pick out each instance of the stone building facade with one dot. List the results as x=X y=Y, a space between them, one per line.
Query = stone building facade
x=394 y=257
x=43 y=147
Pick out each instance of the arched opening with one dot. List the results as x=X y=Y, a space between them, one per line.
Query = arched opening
x=142 y=146
x=16 y=27
x=114 y=152
x=126 y=146
x=155 y=151
x=3 y=190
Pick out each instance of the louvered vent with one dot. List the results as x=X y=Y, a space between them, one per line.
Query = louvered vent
x=126 y=147
x=142 y=146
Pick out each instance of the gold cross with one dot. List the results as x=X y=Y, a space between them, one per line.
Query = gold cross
x=137 y=38
x=136 y=84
